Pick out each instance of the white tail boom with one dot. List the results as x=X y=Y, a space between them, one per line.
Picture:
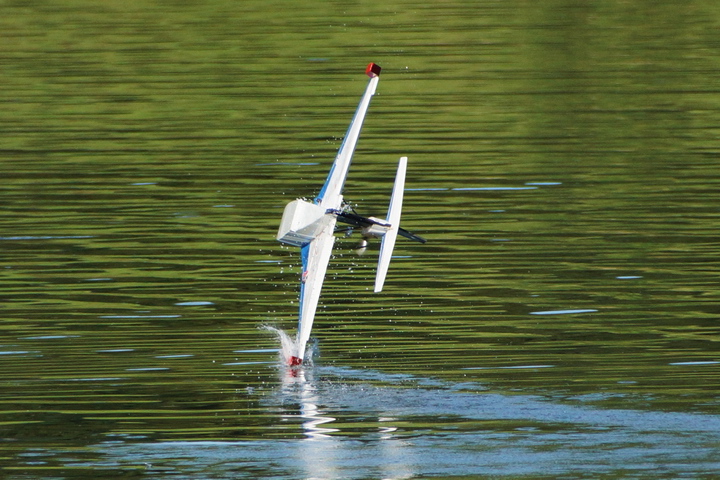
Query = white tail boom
x=393 y=218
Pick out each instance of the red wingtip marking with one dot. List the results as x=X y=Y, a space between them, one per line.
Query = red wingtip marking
x=373 y=70
x=295 y=361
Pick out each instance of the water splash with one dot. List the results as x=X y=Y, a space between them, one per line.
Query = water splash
x=289 y=346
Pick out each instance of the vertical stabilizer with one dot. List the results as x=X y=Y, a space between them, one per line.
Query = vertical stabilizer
x=393 y=218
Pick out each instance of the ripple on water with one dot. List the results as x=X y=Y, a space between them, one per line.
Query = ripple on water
x=709 y=362
x=564 y=312
x=513 y=367
x=400 y=429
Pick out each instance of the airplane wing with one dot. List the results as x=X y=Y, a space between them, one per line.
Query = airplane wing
x=315 y=258
x=330 y=196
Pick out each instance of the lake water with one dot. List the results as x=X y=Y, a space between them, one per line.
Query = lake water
x=561 y=321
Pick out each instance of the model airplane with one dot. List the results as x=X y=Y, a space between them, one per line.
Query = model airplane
x=311 y=225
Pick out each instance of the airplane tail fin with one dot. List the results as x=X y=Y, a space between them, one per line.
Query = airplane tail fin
x=393 y=218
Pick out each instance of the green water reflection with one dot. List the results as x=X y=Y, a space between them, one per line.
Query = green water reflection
x=563 y=165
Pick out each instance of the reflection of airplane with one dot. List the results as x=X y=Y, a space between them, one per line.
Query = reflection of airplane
x=329 y=414
x=311 y=225
x=303 y=389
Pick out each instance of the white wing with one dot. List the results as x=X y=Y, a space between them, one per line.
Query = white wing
x=330 y=196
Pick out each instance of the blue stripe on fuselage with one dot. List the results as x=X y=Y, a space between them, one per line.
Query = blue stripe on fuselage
x=304 y=257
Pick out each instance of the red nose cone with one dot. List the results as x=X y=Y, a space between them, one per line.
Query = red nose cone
x=373 y=70
x=295 y=361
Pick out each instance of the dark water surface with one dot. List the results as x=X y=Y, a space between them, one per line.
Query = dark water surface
x=561 y=322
